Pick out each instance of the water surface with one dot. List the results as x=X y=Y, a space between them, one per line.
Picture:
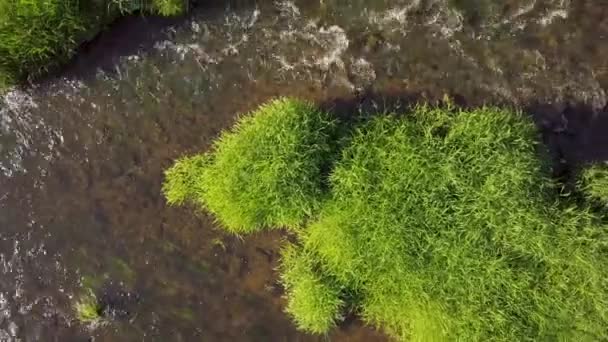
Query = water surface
x=82 y=154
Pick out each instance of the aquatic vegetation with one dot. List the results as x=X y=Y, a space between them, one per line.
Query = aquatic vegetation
x=87 y=309
x=34 y=33
x=594 y=182
x=219 y=243
x=91 y=281
x=446 y=226
x=265 y=172
x=169 y=7
x=184 y=314
x=41 y=34
x=162 y=7
x=182 y=180
x=314 y=302
x=439 y=224
x=120 y=270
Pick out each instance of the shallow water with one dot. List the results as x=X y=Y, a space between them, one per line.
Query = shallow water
x=82 y=154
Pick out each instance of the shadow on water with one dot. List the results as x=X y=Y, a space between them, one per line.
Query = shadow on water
x=575 y=135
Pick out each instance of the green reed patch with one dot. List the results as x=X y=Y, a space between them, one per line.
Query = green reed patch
x=264 y=172
x=440 y=224
x=445 y=223
x=36 y=35
x=594 y=182
x=168 y=7
x=315 y=303
x=33 y=33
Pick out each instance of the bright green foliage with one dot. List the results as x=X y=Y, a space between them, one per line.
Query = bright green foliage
x=265 y=172
x=439 y=225
x=36 y=35
x=594 y=182
x=183 y=181
x=87 y=309
x=313 y=302
x=443 y=222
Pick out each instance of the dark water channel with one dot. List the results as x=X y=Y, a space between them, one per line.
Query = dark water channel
x=82 y=155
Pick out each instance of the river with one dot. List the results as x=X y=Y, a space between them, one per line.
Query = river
x=82 y=153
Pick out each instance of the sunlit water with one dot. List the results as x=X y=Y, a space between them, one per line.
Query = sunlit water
x=81 y=159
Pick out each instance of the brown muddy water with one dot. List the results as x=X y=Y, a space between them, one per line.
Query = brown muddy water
x=82 y=154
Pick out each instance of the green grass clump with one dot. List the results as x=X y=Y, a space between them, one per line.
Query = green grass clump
x=36 y=35
x=265 y=172
x=168 y=7
x=87 y=309
x=161 y=7
x=594 y=182
x=444 y=223
x=439 y=225
x=315 y=303
x=183 y=181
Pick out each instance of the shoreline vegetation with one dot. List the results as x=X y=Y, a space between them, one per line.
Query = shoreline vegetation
x=434 y=224
x=39 y=35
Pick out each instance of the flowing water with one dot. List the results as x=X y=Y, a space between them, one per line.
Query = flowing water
x=82 y=154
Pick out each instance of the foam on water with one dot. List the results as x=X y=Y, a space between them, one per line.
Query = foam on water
x=552 y=15
x=16 y=271
x=521 y=11
x=334 y=40
x=182 y=50
x=21 y=130
x=287 y=8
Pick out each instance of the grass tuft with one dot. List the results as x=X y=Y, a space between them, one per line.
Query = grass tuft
x=183 y=180
x=34 y=34
x=265 y=172
x=594 y=182
x=440 y=224
x=168 y=7
x=88 y=309
x=446 y=224
x=37 y=35
x=314 y=302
